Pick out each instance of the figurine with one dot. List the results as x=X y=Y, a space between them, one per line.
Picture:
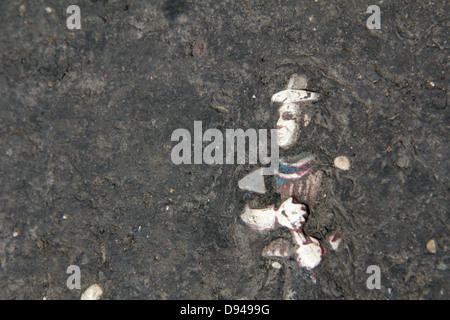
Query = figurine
x=297 y=180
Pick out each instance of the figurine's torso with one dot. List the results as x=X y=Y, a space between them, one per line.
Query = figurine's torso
x=299 y=178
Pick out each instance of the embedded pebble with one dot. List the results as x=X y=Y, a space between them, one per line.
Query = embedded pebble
x=220 y=109
x=342 y=163
x=431 y=246
x=402 y=162
x=276 y=265
x=94 y=292
x=442 y=266
x=22 y=10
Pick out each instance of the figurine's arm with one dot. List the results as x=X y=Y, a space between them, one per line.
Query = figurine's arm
x=260 y=219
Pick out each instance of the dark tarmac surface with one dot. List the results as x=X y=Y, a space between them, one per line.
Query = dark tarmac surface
x=86 y=118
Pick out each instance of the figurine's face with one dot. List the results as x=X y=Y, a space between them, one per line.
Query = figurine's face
x=289 y=124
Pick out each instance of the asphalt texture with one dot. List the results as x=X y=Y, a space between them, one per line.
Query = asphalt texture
x=86 y=118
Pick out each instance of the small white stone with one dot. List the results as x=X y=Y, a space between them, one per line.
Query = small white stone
x=431 y=246
x=48 y=10
x=276 y=265
x=22 y=9
x=15 y=234
x=94 y=292
x=342 y=163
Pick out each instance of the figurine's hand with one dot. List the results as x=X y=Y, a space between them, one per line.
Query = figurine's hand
x=259 y=219
x=291 y=215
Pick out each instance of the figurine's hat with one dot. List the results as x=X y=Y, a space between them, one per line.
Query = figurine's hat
x=295 y=92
